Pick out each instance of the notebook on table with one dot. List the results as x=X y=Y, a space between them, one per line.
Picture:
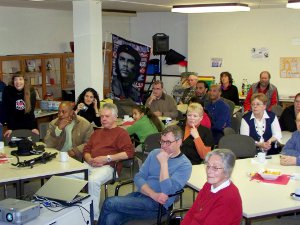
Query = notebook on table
x=64 y=190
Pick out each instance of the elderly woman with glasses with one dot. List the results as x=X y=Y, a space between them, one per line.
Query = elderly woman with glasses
x=262 y=125
x=219 y=201
x=197 y=139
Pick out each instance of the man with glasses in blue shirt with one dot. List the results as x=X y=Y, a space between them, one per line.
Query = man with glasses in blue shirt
x=165 y=171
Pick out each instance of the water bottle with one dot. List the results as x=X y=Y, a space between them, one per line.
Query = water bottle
x=246 y=87
x=243 y=87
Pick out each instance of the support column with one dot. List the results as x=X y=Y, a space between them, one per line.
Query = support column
x=87 y=31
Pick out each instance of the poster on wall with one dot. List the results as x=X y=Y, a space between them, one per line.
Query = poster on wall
x=260 y=53
x=216 y=62
x=290 y=67
x=129 y=68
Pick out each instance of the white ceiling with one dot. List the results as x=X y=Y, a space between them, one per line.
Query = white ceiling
x=138 y=5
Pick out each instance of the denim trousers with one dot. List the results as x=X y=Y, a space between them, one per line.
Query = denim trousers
x=118 y=210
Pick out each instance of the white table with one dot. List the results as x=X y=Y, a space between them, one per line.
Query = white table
x=259 y=199
x=67 y=216
x=19 y=175
x=286 y=135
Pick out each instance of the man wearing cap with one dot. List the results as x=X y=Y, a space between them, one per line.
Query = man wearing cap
x=69 y=132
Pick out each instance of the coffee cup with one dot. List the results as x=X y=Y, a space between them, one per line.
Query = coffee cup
x=63 y=156
x=126 y=117
x=297 y=193
x=261 y=157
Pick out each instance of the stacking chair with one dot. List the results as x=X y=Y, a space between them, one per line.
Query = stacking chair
x=277 y=109
x=228 y=131
x=126 y=163
x=236 y=124
x=160 y=218
x=22 y=133
x=43 y=127
x=241 y=145
x=230 y=104
x=151 y=142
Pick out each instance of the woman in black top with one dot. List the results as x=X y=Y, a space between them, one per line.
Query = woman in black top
x=88 y=105
x=229 y=91
x=19 y=102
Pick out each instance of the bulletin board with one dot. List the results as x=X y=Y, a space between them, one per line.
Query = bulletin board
x=290 y=67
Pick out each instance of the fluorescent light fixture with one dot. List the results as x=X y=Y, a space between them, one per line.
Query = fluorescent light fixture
x=208 y=8
x=293 y=4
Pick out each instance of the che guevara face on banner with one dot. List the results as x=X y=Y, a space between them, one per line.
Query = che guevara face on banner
x=129 y=67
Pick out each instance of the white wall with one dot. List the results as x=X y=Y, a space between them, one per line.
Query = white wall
x=232 y=35
x=145 y=25
x=32 y=31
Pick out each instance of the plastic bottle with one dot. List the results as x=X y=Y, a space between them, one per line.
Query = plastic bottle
x=246 y=87
x=243 y=87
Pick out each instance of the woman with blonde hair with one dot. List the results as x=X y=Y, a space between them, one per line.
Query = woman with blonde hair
x=19 y=102
x=197 y=139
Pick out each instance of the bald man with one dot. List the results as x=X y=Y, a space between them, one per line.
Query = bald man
x=69 y=132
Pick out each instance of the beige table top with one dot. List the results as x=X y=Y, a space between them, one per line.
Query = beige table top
x=10 y=172
x=45 y=113
x=258 y=198
x=286 y=135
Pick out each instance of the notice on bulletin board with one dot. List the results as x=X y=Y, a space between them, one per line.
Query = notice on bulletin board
x=290 y=67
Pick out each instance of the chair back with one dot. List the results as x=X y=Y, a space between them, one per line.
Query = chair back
x=228 y=131
x=236 y=124
x=43 y=127
x=151 y=142
x=277 y=109
x=241 y=145
x=23 y=133
x=230 y=104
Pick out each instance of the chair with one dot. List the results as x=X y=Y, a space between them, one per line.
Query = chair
x=126 y=163
x=43 y=127
x=228 y=131
x=242 y=146
x=151 y=142
x=236 y=124
x=230 y=104
x=160 y=218
x=22 y=133
x=277 y=109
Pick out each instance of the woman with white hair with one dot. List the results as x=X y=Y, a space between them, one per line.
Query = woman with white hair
x=219 y=201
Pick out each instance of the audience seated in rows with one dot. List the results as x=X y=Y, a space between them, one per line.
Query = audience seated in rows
x=69 y=132
x=190 y=91
x=88 y=105
x=201 y=93
x=160 y=103
x=229 y=91
x=219 y=113
x=291 y=151
x=263 y=86
x=219 y=201
x=146 y=123
x=288 y=116
x=262 y=125
x=164 y=172
x=19 y=100
x=197 y=139
x=206 y=122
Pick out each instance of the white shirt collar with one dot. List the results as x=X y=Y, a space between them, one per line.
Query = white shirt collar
x=220 y=187
x=265 y=115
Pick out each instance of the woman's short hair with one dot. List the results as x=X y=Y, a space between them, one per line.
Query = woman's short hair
x=260 y=96
x=296 y=96
x=195 y=107
x=227 y=158
x=112 y=107
x=228 y=75
x=175 y=130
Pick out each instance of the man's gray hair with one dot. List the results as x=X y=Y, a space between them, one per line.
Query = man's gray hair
x=227 y=157
x=174 y=129
x=112 y=107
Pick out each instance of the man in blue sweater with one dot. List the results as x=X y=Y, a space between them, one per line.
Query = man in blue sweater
x=219 y=113
x=164 y=172
x=291 y=151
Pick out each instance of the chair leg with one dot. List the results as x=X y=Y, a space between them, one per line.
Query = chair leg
x=5 y=191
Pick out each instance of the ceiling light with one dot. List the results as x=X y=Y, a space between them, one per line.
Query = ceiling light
x=293 y=4
x=208 y=8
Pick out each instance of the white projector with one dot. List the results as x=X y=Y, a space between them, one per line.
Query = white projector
x=18 y=211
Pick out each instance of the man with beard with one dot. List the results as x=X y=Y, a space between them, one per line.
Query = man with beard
x=263 y=86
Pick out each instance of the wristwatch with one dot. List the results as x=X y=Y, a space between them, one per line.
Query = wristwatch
x=108 y=158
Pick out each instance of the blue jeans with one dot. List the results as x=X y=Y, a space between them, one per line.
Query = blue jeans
x=118 y=210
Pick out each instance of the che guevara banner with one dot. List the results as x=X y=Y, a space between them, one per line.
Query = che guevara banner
x=129 y=68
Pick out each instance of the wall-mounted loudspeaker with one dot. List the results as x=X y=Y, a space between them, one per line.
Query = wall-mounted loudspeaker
x=160 y=44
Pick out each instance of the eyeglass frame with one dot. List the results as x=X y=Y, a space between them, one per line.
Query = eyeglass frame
x=213 y=168
x=167 y=143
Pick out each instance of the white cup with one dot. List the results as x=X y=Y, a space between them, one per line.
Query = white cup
x=297 y=192
x=126 y=117
x=63 y=157
x=261 y=157
x=1 y=146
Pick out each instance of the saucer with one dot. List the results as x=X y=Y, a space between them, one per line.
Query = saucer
x=293 y=196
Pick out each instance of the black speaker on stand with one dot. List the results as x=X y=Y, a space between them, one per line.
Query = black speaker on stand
x=160 y=47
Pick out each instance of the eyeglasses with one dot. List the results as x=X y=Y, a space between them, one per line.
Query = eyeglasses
x=167 y=143
x=256 y=104
x=213 y=168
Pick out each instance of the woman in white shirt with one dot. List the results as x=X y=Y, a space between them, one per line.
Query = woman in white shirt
x=262 y=125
